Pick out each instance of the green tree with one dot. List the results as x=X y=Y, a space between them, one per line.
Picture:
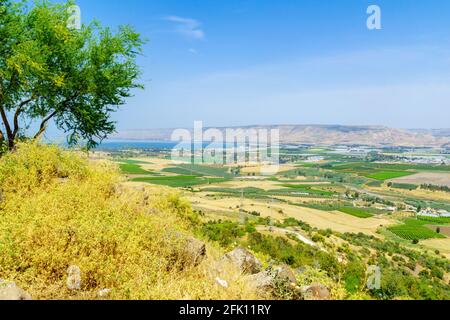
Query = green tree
x=51 y=72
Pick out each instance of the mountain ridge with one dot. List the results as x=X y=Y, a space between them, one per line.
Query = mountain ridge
x=370 y=135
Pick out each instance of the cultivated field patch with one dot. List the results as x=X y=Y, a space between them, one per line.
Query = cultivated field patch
x=435 y=178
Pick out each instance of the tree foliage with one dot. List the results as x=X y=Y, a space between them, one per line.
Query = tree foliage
x=50 y=72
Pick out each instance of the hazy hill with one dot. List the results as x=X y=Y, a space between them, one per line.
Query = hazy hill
x=326 y=135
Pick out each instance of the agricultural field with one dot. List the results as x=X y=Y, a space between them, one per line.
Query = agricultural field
x=178 y=181
x=356 y=212
x=439 y=179
x=404 y=186
x=386 y=171
x=132 y=169
x=411 y=229
x=199 y=170
x=435 y=220
x=373 y=171
x=387 y=175
x=341 y=193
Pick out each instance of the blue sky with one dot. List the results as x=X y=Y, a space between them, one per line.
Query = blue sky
x=286 y=62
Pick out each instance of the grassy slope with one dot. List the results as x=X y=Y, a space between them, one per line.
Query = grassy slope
x=60 y=210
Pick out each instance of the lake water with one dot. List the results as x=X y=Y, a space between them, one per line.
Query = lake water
x=124 y=145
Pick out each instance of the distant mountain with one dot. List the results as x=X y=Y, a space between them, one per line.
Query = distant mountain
x=325 y=135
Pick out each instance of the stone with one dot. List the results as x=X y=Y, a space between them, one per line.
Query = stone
x=244 y=260
x=316 y=291
x=10 y=291
x=284 y=273
x=222 y=283
x=262 y=281
x=272 y=278
x=104 y=293
x=73 y=278
x=194 y=251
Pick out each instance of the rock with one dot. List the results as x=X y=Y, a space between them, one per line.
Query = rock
x=221 y=282
x=244 y=260
x=284 y=273
x=104 y=293
x=194 y=252
x=281 y=276
x=73 y=278
x=10 y=291
x=262 y=281
x=316 y=291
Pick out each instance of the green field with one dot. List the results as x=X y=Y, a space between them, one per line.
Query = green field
x=181 y=171
x=412 y=229
x=307 y=164
x=385 y=171
x=363 y=166
x=356 y=212
x=311 y=189
x=130 y=168
x=386 y=175
x=132 y=161
x=435 y=220
x=179 y=181
x=199 y=170
x=404 y=186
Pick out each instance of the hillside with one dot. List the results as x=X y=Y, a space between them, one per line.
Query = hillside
x=72 y=228
x=325 y=135
x=69 y=229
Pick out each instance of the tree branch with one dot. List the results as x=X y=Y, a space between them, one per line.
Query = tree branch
x=43 y=125
x=5 y=122
x=44 y=122
x=17 y=114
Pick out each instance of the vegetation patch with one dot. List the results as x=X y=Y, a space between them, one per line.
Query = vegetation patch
x=179 y=181
x=310 y=189
x=200 y=170
x=356 y=212
x=404 y=186
x=412 y=229
x=386 y=175
x=131 y=168
x=435 y=220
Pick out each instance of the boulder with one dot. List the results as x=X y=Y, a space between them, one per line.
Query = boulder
x=194 y=251
x=262 y=281
x=244 y=260
x=316 y=291
x=271 y=278
x=73 y=281
x=10 y=291
x=285 y=274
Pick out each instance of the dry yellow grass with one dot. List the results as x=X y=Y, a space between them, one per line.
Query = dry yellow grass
x=418 y=193
x=59 y=210
x=436 y=178
x=443 y=245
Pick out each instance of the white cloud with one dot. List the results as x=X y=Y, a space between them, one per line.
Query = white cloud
x=187 y=27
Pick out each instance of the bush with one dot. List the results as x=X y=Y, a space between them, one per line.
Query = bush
x=224 y=232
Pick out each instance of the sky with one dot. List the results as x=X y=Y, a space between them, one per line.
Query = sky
x=247 y=62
